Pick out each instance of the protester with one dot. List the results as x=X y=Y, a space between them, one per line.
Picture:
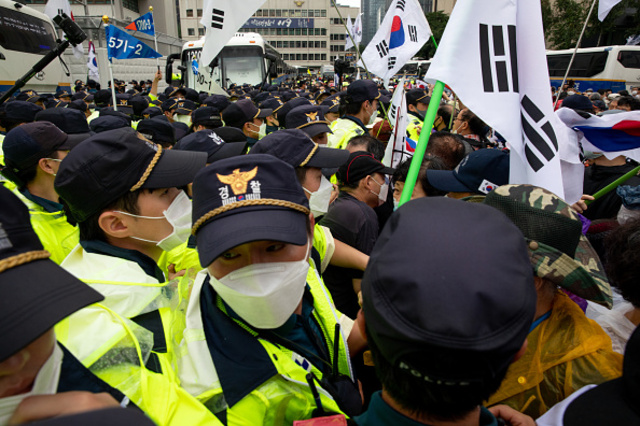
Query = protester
x=565 y=350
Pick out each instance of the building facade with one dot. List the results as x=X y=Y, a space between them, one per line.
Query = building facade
x=307 y=33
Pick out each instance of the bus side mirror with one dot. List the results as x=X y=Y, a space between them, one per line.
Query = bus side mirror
x=168 y=69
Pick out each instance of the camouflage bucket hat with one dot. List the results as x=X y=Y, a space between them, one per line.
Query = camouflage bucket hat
x=557 y=249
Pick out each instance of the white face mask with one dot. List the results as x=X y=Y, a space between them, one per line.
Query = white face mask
x=571 y=92
x=265 y=295
x=384 y=191
x=179 y=216
x=186 y=119
x=319 y=201
x=373 y=117
x=262 y=130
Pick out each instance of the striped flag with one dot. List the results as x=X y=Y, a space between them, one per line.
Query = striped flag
x=92 y=63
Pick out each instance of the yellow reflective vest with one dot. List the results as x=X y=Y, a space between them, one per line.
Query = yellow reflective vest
x=281 y=398
x=343 y=130
x=564 y=353
x=57 y=235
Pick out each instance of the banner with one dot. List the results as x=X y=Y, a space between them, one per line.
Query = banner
x=222 y=18
x=492 y=55
x=279 y=23
x=121 y=45
x=144 y=24
x=402 y=33
x=57 y=7
x=92 y=63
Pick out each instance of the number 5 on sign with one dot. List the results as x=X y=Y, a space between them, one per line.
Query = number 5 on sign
x=124 y=46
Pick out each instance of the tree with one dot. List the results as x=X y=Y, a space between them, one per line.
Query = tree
x=437 y=21
x=563 y=21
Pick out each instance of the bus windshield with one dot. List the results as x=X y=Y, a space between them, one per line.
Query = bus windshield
x=242 y=64
x=25 y=33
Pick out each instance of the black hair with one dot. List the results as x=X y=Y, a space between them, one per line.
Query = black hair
x=622 y=262
x=446 y=111
x=429 y=162
x=448 y=147
x=427 y=398
x=369 y=144
x=22 y=177
x=90 y=228
x=629 y=101
x=476 y=125
x=348 y=107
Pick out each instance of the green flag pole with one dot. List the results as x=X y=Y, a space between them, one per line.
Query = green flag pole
x=416 y=161
x=613 y=185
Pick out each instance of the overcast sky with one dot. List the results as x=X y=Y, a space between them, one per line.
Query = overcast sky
x=351 y=3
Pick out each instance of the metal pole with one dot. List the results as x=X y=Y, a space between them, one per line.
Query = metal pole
x=566 y=74
x=114 y=101
x=155 y=38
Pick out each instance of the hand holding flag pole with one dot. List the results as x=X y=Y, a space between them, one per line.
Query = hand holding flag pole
x=613 y=185
x=105 y=19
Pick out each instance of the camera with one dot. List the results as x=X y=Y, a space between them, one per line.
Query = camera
x=74 y=33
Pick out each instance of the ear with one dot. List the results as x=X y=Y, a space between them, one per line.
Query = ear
x=312 y=224
x=45 y=165
x=115 y=224
x=412 y=108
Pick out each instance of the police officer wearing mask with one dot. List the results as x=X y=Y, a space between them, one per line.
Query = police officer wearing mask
x=255 y=327
x=360 y=107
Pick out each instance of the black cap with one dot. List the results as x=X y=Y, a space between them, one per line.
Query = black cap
x=151 y=112
x=138 y=104
x=417 y=95
x=308 y=118
x=361 y=164
x=612 y=402
x=55 y=103
x=108 y=165
x=122 y=101
x=273 y=104
x=217 y=101
x=247 y=187
x=102 y=97
x=578 y=102
x=296 y=148
x=455 y=314
x=210 y=142
x=24 y=145
x=362 y=90
x=186 y=107
x=29 y=96
x=176 y=91
x=242 y=111
x=479 y=172
x=64 y=93
x=333 y=103
x=170 y=104
x=231 y=134
x=22 y=111
x=36 y=293
x=157 y=131
x=78 y=105
x=70 y=121
x=206 y=116
x=108 y=122
x=83 y=96
x=288 y=106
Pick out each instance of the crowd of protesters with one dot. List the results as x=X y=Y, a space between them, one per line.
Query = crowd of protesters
x=185 y=258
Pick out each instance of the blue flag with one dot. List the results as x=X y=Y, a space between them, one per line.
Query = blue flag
x=144 y=24
x=123 y=46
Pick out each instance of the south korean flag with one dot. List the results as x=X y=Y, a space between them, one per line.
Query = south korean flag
x=492 y=55
x=402 y=33
x=222 y=18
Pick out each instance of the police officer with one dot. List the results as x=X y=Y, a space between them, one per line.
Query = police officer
x=255 y=326
x=417 y=105
x=360 y=105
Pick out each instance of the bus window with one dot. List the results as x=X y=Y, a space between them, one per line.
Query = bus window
x=25 y=33
x=629 y=59
x=584 y=65
x=243 y=64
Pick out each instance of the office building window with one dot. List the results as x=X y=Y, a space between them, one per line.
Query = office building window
x=272 y=13
x=189 y=13
x=191 y=31
x=131 y=5
x=304 y=56
x=278 y=13
x=323 y=31
x=304 y=31
x=323 y=57
x=200 y=31
x=285 y=13
x=258 y=12
x=323 y=44
x=298 y=57
x=311 y=14
x=323 y=13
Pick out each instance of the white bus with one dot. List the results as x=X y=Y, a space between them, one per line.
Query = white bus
x=605 y=67
x=26 y=35
x=246 y=58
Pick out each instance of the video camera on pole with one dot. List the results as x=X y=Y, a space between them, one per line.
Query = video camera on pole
x=74 y=35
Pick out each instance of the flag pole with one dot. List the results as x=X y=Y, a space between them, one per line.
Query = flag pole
x=114 y=101
x=421 y=148
x=155 y=38
x=358 y=57
x=613 y=185
x=573 y=56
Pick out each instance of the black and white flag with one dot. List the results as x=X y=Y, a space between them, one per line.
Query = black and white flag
x=492 y=54
x=222 y=18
